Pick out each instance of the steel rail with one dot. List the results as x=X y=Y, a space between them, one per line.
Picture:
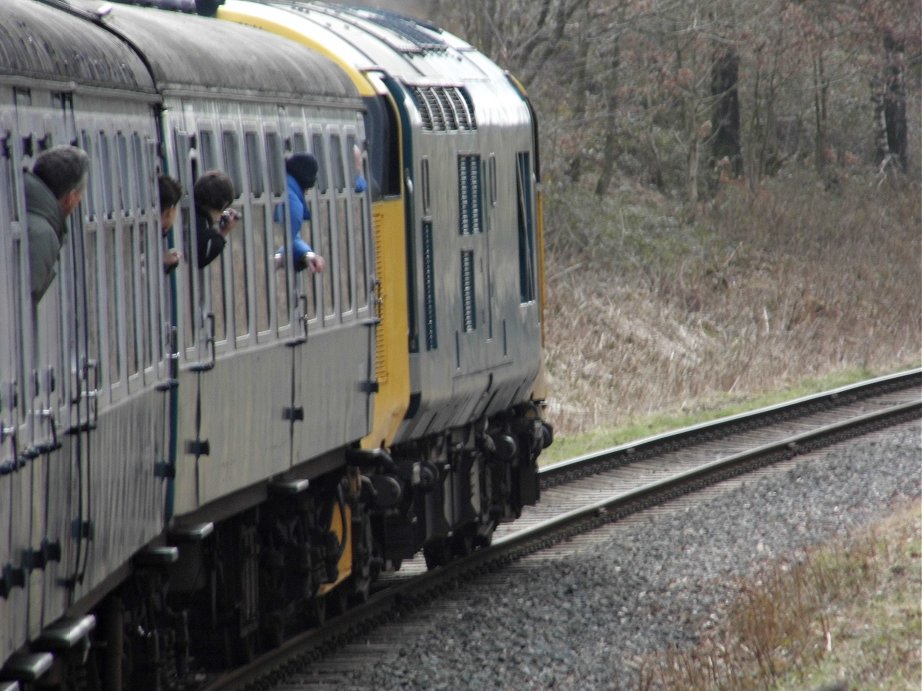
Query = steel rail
x=273 y=667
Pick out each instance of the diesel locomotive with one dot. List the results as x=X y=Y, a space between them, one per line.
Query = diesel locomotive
x=194 y=464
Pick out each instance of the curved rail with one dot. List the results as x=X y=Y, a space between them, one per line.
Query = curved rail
x=409 y=593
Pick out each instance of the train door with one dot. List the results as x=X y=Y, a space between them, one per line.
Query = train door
x=55 y=449
x=195 y=326
x=15 y=354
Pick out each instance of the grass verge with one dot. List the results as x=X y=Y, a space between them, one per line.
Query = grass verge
x=571 y=446
x=847 y=616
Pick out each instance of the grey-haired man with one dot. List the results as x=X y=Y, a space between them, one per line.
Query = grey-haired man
x=54 y=189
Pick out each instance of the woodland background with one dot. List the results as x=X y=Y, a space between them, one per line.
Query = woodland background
x=732 y=191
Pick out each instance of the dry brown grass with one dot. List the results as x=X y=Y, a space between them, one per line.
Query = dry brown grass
x=647 y=314
x=846 y=616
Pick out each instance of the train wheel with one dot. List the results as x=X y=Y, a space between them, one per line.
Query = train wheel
x=437 y=553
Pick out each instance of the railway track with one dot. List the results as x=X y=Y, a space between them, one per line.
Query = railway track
x=581 y=495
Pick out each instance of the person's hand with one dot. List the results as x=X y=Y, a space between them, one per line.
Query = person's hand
x=314 y=262
x=170 y=259
x=228 y=221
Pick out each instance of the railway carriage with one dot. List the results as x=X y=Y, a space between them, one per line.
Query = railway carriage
x=193 y=464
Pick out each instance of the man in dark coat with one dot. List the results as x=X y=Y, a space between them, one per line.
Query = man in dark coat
x=54 y=189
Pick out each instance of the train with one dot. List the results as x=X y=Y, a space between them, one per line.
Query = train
x=196 y=464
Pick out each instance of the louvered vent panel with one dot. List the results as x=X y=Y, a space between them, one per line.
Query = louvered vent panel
x=444 y=108
x=468 y=298
x=464 y=196
x=451 y=119
x=429 y=280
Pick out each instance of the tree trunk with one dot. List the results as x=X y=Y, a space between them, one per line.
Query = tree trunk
x=726 y=118
x=610 y=148
x=820 y=93
x=895 y=101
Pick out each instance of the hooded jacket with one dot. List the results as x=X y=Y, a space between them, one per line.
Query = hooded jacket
x=47 y=227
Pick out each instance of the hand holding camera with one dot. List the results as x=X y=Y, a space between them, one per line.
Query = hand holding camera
x=228 y=220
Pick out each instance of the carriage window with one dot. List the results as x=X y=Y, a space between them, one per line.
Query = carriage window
x=89 y=198
x=317 y=143
x=300 y=143
x=113 y=301
x=7 y=179
x=125 y=181
x=146 y=302
x=218 y=307
x=275 y=161
x=336 y=161
x=324 y=246
x=106 y=182
x=238 y=247
x=207 y=151
x=232 y=160
x=254 y=168
x=140 y=166
x=130 y=274
x=359 y=233
x=262 y=246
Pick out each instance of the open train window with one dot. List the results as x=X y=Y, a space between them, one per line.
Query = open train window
x=383 y=147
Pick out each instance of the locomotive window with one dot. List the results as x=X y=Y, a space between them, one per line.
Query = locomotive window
x=526 y=227
x=493 y=182
x=254 y=169
x=317 y=142
x=232 y=159
x=383 y=147
x=336 y=161
x=124 y=179
x=276 y=163
x=207 y=151
x=424 y=185
x=470 y=209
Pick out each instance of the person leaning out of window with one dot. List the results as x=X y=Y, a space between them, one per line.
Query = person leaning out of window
x=54 y=189
x=213 y=193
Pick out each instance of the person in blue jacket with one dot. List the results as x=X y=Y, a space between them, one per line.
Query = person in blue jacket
x=302 y=174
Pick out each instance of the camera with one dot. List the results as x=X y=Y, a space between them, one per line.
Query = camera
x=228 y=216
